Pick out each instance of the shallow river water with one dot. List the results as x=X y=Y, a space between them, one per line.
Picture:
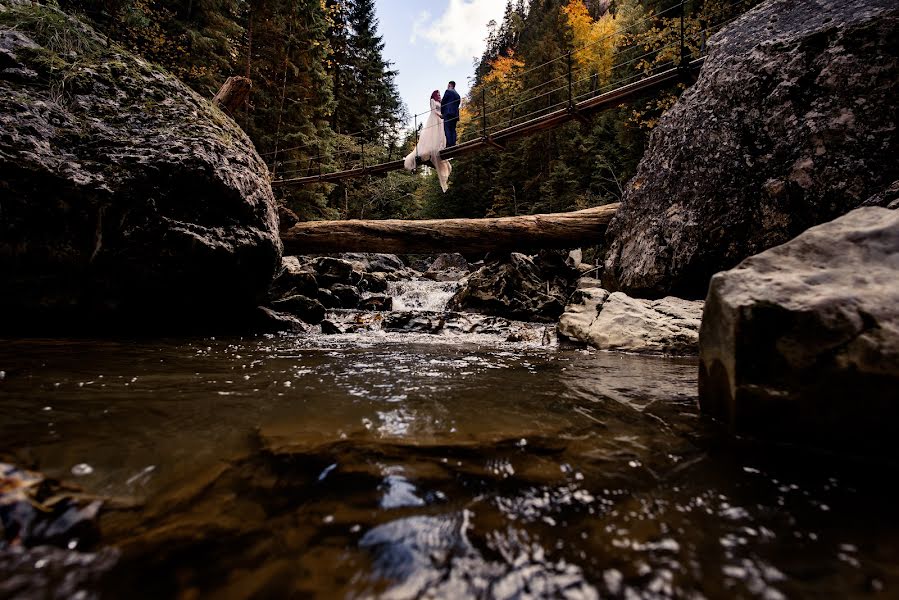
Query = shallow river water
x=405 y=466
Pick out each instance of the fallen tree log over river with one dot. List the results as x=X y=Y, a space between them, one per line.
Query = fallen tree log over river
x=560 y=230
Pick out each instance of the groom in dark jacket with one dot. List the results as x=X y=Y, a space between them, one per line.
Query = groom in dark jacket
x=449 y=109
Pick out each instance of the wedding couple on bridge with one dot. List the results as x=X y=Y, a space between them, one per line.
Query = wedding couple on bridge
x=438 y=133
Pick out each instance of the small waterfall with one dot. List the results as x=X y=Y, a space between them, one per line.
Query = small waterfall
x=422 y=295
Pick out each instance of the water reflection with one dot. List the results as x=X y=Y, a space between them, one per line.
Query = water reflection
x=323 y=467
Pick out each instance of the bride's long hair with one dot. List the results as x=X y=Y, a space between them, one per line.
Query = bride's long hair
x=436 y=96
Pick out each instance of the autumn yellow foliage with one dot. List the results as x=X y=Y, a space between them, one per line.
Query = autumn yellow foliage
x=502 y=73
x=594 y=41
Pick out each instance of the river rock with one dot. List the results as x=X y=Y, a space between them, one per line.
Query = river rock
x=328 y=299
x=518 y=287
x=618 y=322
x=126 y=197
x=447 y=267
x=330 y=328
x=801 y=342
x=333 y=270
x=309 y=310
x=295 y=277
x=410 y=322
x=888 y=198
x=377 y=302
x=375 y=263
x=374 y=282
x=348 y=295
x=792 y=123
x=267 y=320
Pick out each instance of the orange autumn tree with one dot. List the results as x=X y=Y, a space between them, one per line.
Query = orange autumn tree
x=500 y=87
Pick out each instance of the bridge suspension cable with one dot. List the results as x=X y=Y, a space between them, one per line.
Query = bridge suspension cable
x=572 y=99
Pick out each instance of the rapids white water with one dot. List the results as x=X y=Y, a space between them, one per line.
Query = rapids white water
x=422 y=295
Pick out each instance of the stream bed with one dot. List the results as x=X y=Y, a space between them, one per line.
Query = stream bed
x=405 y=465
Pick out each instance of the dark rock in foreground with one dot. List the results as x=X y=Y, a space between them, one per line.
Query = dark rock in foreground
x=125 y=196
x=801 y=342
x=791 y=124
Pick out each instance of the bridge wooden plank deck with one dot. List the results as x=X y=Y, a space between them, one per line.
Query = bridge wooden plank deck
x=501 y=138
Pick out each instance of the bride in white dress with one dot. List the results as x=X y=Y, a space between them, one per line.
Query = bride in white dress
x=431 y=142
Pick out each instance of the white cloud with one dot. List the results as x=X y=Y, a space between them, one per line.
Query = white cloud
x=459 y=34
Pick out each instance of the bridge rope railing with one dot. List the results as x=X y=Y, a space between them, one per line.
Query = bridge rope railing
x=412 y=119
x=489 y=119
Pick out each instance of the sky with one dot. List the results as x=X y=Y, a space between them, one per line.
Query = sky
x=431 y=42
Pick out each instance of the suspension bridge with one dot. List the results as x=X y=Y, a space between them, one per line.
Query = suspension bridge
x=575 y=98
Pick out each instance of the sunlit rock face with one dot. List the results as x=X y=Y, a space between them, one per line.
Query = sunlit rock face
x=123 y=194
x=792 y=123
x=618 y=322
x=801 y=342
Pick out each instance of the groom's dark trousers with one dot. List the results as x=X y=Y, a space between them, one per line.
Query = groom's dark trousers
x=449 y=109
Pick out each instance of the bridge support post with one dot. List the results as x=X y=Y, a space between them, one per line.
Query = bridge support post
x=484 y=111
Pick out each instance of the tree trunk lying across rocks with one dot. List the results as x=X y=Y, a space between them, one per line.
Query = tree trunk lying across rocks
x=233 y=94
x=559 y=230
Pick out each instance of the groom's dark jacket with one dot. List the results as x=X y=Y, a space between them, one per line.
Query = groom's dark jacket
x=449 y=106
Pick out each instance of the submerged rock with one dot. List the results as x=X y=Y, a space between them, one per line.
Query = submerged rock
x=791 y=124
x=126 y=197
x=50 y=572
x=36 y=511
x=518 y=287
x=618 y=322
x=801 y=342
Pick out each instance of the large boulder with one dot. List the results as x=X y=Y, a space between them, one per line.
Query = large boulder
x=517 y=286
x=801 y=342
x=618 y=322
x=124 y=195
x=792 y=123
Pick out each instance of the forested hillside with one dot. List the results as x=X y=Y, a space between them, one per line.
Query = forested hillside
x=524 y=69
x=323 y=94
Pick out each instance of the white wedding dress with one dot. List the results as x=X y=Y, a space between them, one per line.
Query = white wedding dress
x=431 y=142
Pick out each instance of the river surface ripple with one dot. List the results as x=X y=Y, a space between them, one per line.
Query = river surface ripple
x=397 y=467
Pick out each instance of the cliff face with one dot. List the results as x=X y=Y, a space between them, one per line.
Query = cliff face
x=791 y=123
x=123 y=194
